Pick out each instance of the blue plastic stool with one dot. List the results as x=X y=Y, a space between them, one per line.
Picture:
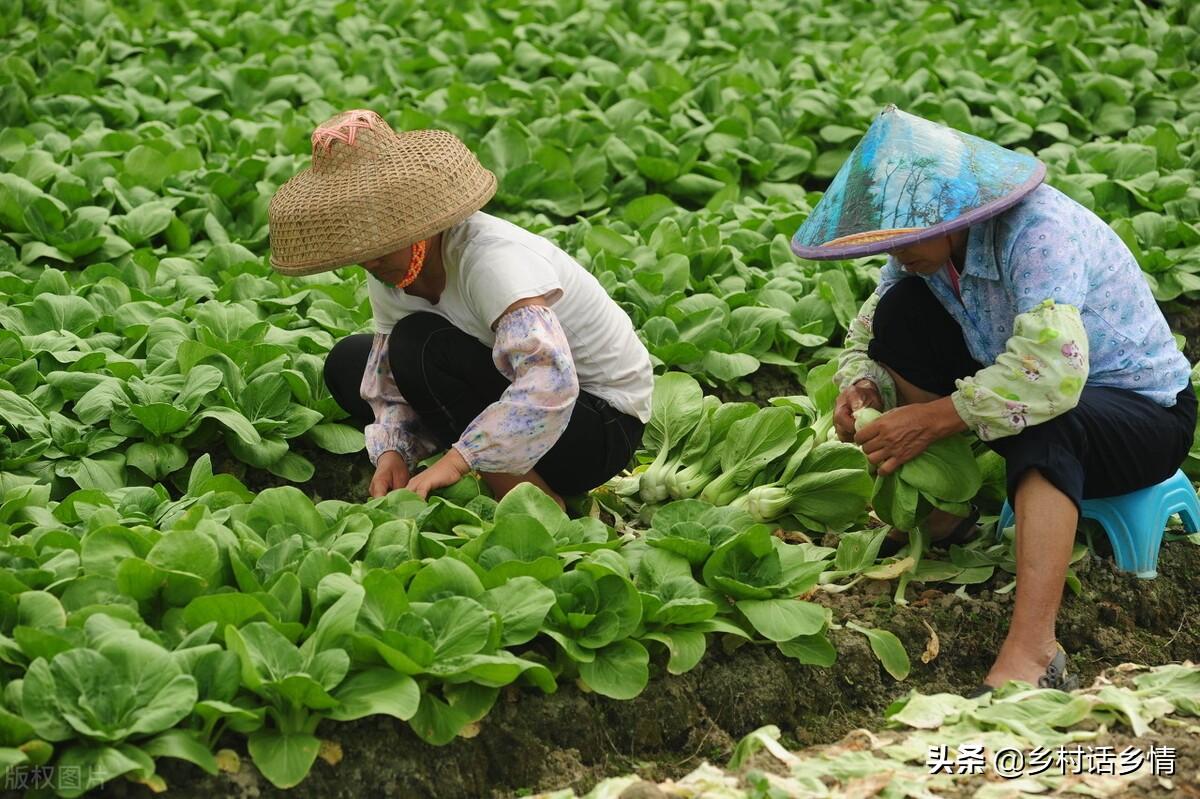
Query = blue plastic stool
x=1135 y=522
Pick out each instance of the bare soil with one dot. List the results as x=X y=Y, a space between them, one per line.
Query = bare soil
x=768 y=382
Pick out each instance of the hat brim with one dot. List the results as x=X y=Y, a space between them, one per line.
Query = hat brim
x=833 y=251
x=470 y=205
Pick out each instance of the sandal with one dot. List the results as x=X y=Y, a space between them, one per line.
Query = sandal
x=1055 y=677
x=1056 y=673
x=963 y=533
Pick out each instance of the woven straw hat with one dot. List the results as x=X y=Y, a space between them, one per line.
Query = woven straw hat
x=371 y=191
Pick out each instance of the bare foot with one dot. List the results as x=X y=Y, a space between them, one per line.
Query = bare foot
x=1017 y=663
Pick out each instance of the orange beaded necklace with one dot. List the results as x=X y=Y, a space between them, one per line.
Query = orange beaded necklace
x=415 y=264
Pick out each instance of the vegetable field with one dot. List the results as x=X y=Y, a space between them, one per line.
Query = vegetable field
x=197 y=596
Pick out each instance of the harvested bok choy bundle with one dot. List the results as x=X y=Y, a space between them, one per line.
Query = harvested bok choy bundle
x=945 y=476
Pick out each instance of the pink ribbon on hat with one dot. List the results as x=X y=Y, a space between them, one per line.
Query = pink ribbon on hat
x=344 y=131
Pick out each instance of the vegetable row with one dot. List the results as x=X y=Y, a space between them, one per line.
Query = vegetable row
x=134 y=626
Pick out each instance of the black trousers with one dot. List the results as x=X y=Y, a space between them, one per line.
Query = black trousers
x=1113 y=442
x=449 y=378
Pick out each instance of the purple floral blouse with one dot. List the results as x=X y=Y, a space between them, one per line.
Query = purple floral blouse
x=513 y=433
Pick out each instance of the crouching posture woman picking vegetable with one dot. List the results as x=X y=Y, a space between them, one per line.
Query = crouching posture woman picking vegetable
x=1026 y=320
x=490 y=342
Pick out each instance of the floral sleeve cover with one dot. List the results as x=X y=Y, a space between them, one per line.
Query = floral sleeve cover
x=855 y=365
x=397 y=426
x=513 y=433
x=1040 y=374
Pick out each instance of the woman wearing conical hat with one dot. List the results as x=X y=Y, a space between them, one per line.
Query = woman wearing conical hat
x=490 y=342
x=1010 y=310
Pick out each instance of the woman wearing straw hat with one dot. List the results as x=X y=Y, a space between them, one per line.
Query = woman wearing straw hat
x=1024 y=318
x=490 y=342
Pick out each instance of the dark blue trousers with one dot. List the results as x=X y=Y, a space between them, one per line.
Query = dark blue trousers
x=1113 y=442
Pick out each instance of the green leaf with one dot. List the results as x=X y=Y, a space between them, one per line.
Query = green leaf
x=339 y=619
x=54 y=313
x=98 y=764
x=339 y=439
x=286 y=505
x=156 y=461
x=686 y=648
x=145 y=222
x=813 y=650
x=895 y=502
x=105 y=471
x=283 y=758
x=646 y=211
x=182 y=745
x=602 y=238
x=139 y=580
x=728 y=367
x=504 y=148
x=224 y=609
x=377 y=692
x=494 y=671
x=522 y=604
x=40 y=609
x=832 y=487
x=265 y=397
x=619 y=670
x=888 y=649
x=444 y=577
x=201 y=381
x=161 y=418
x=745 y=566
x=930 y=712
x=44 y=219
x=756 y=441
x=293 y=467
x=23 y=414
x=461 y=626
x=528 y=500
x=783 y=619
x=235 y=422
x=149 y=166
x=946 y=470
x=438 y=721
x=264 y=653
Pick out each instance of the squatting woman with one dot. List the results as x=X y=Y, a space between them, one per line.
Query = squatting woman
x=490 y=342
x=1008 y=309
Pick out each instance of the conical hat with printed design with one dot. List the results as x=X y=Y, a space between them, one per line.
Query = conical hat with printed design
x=909 y=180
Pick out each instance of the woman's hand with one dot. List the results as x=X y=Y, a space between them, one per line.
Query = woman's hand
x=896 y=438
x=862 y=394
x=391 y=472
x=447 y=471
x=902 y=434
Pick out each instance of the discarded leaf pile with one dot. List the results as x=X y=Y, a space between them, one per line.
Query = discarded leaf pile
x=1033 y=724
